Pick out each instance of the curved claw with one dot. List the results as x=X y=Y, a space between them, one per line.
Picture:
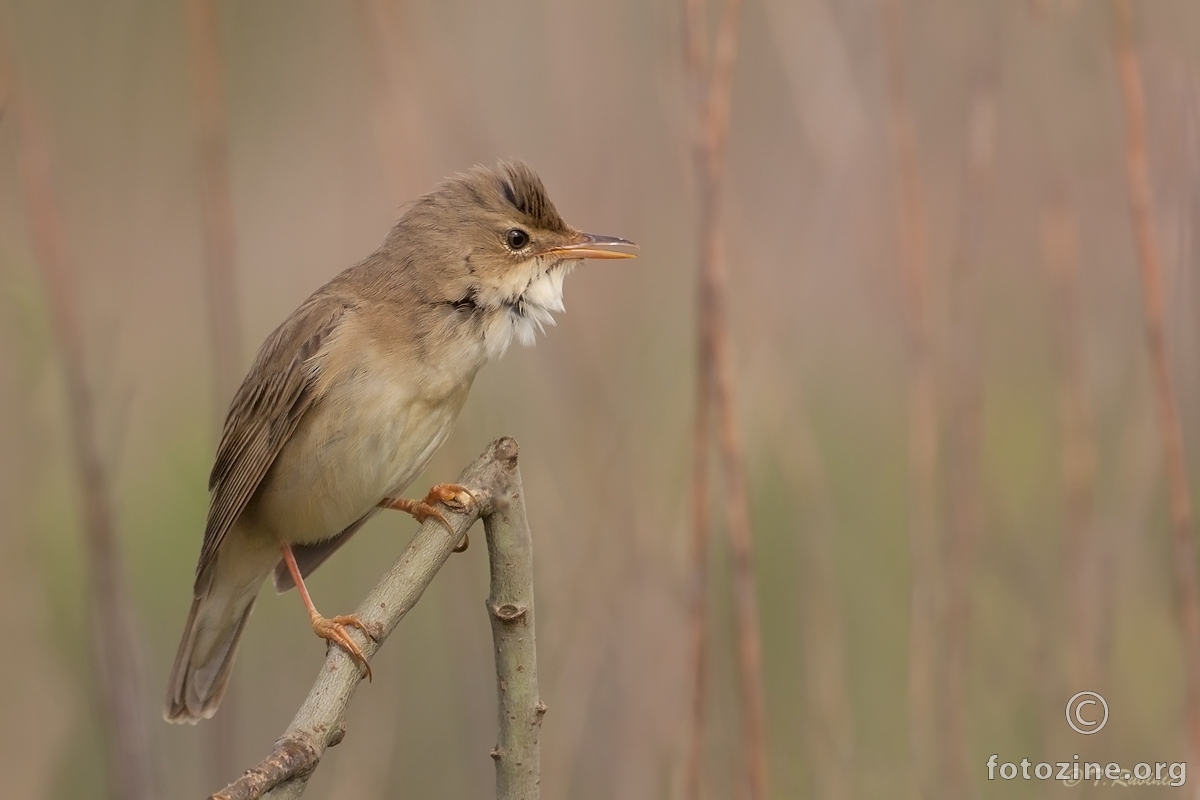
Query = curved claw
x=334 y=630
x=454 y=496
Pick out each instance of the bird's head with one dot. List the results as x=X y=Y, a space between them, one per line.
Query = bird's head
x=502 y=250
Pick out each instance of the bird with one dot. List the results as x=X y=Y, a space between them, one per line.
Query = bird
x=349 y=398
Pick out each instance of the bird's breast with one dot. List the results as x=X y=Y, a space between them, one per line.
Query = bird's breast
x=367 y=437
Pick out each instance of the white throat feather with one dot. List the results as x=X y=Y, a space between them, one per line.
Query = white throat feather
x=530 y=311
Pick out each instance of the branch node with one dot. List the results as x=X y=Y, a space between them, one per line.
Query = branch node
x=507 y=450
x=320 y=722
x=509 y=613
x=336 y=737
x=294 y=757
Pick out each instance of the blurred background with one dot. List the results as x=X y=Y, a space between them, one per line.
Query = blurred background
x=1045 y=564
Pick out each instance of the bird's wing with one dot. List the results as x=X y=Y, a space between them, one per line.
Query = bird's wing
x=265 y=412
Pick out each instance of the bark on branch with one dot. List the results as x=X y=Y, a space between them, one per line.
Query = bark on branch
x=495 y=482
x=510 y=607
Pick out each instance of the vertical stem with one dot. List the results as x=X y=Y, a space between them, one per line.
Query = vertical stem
x=693 y=773
x=1142 y=208
x=116 y=651
x=510 y=607
x=220 y=237
x=745 y=584
x=220 y=273
x=715 y=399
x=400 y=131
x=922 y=405
x=698 y=584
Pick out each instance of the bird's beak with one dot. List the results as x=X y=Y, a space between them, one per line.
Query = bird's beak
x=589 y=245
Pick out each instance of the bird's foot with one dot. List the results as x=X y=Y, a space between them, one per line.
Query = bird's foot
x=334 y=630
x=452 y=495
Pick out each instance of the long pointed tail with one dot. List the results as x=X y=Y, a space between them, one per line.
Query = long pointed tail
x=205 y=657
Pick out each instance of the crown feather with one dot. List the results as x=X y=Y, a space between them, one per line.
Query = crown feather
x=524 y=191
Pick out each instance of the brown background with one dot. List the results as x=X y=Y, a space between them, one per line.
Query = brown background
x=333 y=125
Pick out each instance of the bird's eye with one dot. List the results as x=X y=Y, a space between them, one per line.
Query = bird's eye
x=516 y=239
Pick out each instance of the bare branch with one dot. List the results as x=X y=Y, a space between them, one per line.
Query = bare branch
x=510 y=607
x=320 y=723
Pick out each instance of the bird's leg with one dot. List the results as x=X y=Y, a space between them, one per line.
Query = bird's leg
x=453 y=495
x=333 y=630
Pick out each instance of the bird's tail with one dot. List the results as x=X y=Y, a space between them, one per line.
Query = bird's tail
x=205 y=657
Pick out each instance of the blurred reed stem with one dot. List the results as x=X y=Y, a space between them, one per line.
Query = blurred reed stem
x=1082 y=556
x=220 y=281
x=695 y=37
x=922 y=405
x=829 y=737
x=1142 y=208
x=216 y=200
x=965 y=496
x=116 y=651
x=712 y=89
x=401 y=132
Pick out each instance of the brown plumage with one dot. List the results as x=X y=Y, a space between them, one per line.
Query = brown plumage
x=350 y=397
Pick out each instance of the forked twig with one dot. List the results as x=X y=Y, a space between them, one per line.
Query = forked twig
x=495 y=483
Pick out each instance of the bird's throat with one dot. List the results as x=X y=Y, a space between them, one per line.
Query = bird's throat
x=534 y=309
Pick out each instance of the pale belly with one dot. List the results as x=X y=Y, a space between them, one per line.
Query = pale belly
x=347 y=454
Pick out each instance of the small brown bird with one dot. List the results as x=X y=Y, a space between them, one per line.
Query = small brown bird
x=350 y=397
